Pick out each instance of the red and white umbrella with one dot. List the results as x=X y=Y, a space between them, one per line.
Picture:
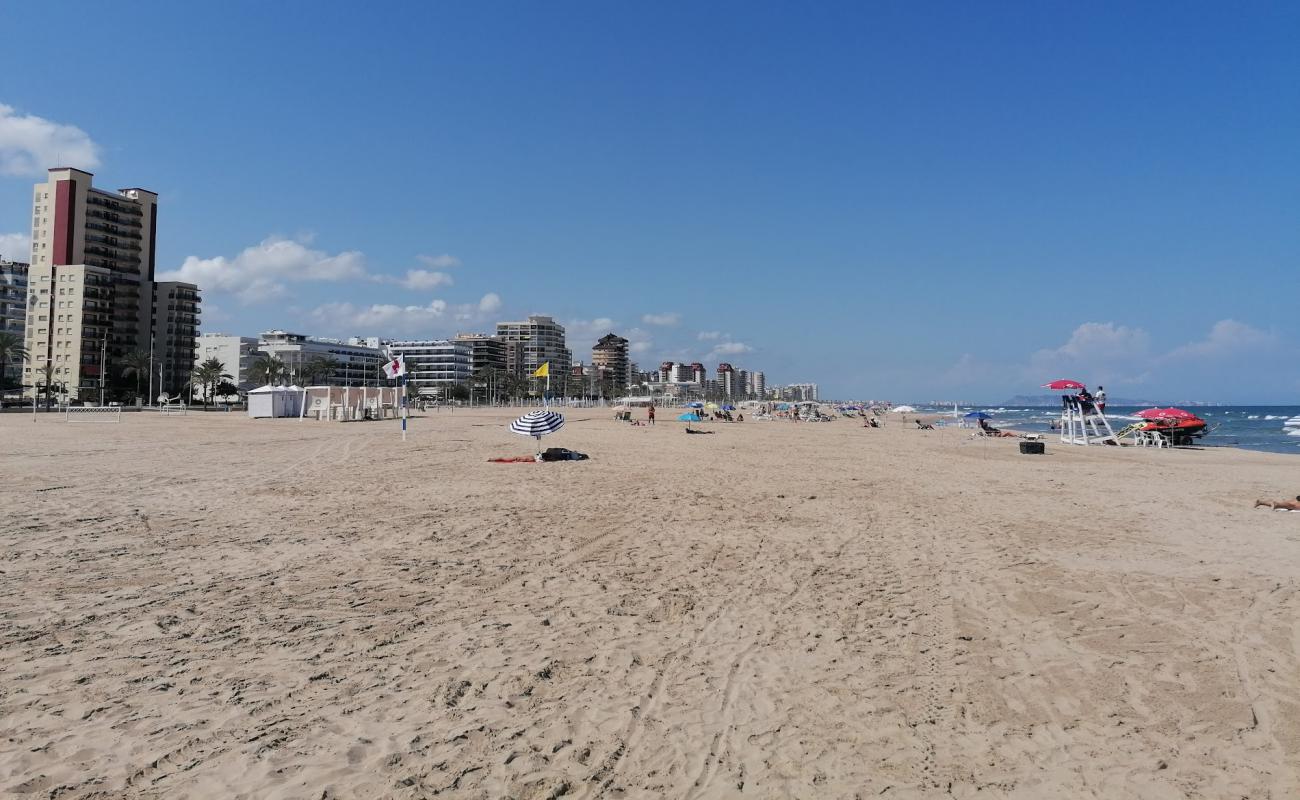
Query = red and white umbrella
x=1064 y=384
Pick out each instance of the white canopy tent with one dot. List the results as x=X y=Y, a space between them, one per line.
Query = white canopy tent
x=274 y=401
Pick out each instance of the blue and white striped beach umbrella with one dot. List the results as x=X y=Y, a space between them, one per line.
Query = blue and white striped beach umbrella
x=538 y=423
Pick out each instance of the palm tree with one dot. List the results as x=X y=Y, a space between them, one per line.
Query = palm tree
x=207 y=375
x=318 y=368
x=226 y=389
x=11 y=349
x=267 y=369
x=136 y=363
x=47 y=373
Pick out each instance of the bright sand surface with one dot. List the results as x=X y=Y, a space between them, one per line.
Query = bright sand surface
x=211 y=606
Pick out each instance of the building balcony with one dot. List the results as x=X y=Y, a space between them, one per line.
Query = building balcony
x=122 y=207
x=113 y=229
x=113 y=218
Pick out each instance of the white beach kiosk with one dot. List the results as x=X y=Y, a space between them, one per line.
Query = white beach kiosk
x=346 y=403
x=274 y=401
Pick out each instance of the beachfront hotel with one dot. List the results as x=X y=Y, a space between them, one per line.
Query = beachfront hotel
x=91 y=292
x=356 y=361
x=434 y=366
x=533 y=342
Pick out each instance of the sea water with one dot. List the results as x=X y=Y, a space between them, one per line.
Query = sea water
x=1274 y=429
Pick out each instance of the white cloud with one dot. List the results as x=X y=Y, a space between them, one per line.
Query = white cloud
x=709 y=336
x=30 y=145
x=214 y=313
x=423 y=279
x=729 y=349
x=16 y=246
x=260 y=272
x=443 y=261
x=1226 y=337
x=1096 y=352
x=1100 y=340
x=667 y=319
x=384 y=319
x=639 y=341
x=581 y=334
x=437 y=319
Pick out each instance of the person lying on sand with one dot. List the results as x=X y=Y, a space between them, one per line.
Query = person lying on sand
x=705 y=433
x=1280 y=505
x=925 y=426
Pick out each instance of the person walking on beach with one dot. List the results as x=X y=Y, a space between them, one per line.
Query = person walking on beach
x=1100 y=399
x=650 y=418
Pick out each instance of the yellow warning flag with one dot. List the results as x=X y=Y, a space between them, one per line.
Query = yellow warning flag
x=543 y=371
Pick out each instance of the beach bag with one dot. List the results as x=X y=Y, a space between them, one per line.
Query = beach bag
x=562 y=454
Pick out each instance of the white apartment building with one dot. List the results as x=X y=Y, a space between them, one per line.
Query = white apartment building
x=358 y=365
x=433 y=366
x=797 y=391
x=236 y=353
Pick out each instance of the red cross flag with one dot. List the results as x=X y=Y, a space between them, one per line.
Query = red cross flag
x=396 y=368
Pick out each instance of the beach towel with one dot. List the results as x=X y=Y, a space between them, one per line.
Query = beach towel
x=514 y=460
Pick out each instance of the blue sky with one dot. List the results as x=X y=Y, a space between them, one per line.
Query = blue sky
x=898 y=201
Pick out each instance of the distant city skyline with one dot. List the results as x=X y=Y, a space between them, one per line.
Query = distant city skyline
x=888 y=201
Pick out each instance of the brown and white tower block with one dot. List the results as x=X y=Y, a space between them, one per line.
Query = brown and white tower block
x=92 y=296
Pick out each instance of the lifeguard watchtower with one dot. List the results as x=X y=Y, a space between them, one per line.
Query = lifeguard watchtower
x=1083 y=423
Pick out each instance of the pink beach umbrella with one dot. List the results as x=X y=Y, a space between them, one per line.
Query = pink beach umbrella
x=1064 y=384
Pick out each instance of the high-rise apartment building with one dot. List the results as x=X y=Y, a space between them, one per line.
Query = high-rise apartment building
x=13 y=313
x=91 y=292
x=13 y=296
x=727 y=380
x=609 y=357
x=540 y=341
x=175 y=331
x=757 y=387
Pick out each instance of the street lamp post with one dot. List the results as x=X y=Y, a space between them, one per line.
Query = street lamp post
x=103 y=349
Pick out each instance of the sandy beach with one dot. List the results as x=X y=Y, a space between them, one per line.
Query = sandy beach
x=212 y=606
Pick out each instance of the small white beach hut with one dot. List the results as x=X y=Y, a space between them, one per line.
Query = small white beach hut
x=274 y=401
